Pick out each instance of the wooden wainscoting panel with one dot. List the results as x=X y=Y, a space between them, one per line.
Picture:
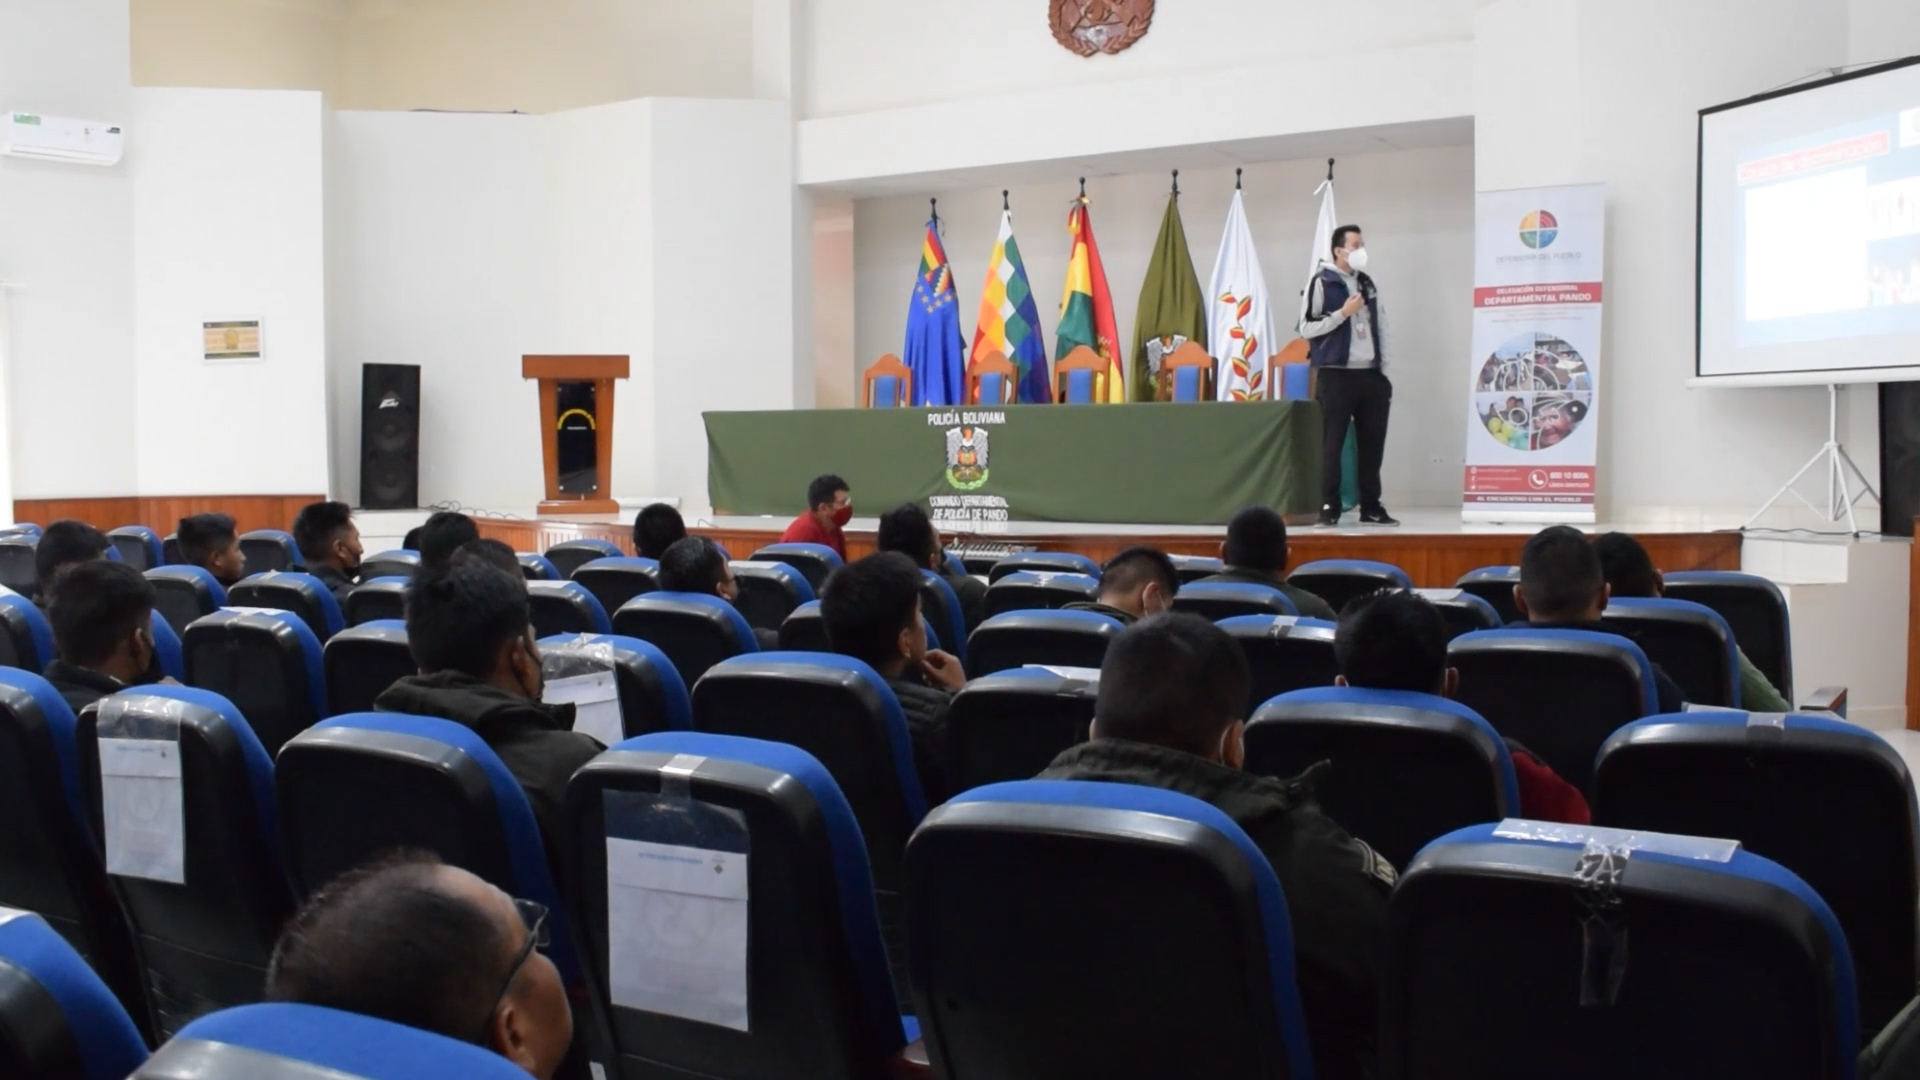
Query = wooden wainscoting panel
x=162 y=513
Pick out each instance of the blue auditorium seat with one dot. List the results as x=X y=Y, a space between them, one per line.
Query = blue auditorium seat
x=1405 y=767
x=1284 y=653
x=1559 y=693
x=695 y=630
x=1043 y=562
x=769 y=591
x=653 y=697
x=1194 y=567
x=1495 y=585
x=1216 y=600
x=1025 y=590
x=614 y=580
x=806 y=631
x=268 y=663
x=26 y=638
x=1339 y=580
x=1017 y=638
x=302 y=594
x=812 y=920
x=816 y=561
x=204 y=937
x=58 y=1021
x=565 y=607
x=139 y=546
x=24 y=528
x=1463 y=611
x=267 y=550
x=362 y=661
x=1011 y=725
x=17 y=570
x=1027 y=963
x=537 y=567
x=573 y=554
x=1756 y=610
x=1690 y=642
x=284 y=1041
x=377 y=598
x=185 y=593
x=167 y=655
x=170 y=550
x=399 y=563
x=940 y=607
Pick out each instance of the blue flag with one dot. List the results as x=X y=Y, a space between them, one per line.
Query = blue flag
x=934 y=351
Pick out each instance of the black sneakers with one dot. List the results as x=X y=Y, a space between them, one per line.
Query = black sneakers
x=1376 y=516
x=1329 y=517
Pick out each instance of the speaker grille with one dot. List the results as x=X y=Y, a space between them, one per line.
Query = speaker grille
x=389 y=436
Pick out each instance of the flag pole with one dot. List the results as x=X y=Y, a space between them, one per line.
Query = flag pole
x=1176 y=183
x=934 y=208
x=1236 y=178
x=1005 y=206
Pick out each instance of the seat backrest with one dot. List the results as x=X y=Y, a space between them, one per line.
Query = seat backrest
x=377 y=598
x=1187 y=383
x=571 y=555
x=1017 y=638
x=399 y=563
x=1011 y=725
x=26 y=638
x=139 y=546
x=285 y=1041
x=805 y=630
x=769 y=591
x=1339 y=580
x=1787 y=787
x=1025 y=590
x=17 y=570
x=648 y=694
x=1011 y=912
x=565 y=607
x=886 y=383
x=185 y=593
x=1463 y=611
x=940 y=607
x=992 y=387
x=267 y=550
x=1756 y=610
x=1284 y=653
x=1043 y=562
x=884 y=391
x=180 y=793
x=1611 y=954
x=816 y=561
x=166 y=647
x=1194 y=567
x=1559 y=693
x=291 y=591
x=803 y=928
x=1078 y=384
x=1406 y=767
x=362 y=661
x=170 y=550
x=537 y=567
x=614 y=580
x=1494 y=584
x=1690 y=642
x=57 y=1019
x=268 y=663
x=1216 y=600
x=695 y=630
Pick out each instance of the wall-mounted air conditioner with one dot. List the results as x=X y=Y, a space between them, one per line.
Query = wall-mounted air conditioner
x=51 y=138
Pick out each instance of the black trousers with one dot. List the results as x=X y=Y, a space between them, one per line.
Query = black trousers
x=1361 y=396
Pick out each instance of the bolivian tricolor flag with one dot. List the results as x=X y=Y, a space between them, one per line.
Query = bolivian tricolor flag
x=1086 y=306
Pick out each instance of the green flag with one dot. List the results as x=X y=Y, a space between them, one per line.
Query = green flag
x=1171 y=311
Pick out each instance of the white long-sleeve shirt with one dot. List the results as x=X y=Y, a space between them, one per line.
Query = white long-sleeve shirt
x=1364 y=351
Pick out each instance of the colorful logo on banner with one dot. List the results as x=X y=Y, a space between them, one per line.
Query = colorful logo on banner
x=966 y=457
x=1538 y=229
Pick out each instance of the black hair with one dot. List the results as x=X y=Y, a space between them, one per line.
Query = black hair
x=444 y=533
x=63 y=544
x=656 y=528
x=907 y=530
x=412 y=540
x=1256 y=540
x=823 y=489
x=866 y=603
x=1174 y=680
x=1393 y=639
x=458 y=617
x=1626 y=565
x=1340 y=236
x=1559 y=574
x=391 y=941
x=488 y=552
x=695 y=564
x=202 y=536
x=94 y=606
x=1136 y=566
x=316 y=527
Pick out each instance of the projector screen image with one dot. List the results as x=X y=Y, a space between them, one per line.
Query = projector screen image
x=1809 y=244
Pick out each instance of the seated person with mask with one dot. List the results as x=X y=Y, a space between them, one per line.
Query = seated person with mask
x=329 y=545
x=1562 y=587
x=413 y=941
x=829 y=508
x=443 y=534
x=1255 y=552
x=102 y=639
x=907 y=530
x=65 y=544
x=1170 y=714
x=698 y=565
x=1138 y=582
x=656 y=528
x=210 y=542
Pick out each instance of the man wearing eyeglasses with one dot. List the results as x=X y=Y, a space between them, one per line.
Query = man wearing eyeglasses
x=416 y=942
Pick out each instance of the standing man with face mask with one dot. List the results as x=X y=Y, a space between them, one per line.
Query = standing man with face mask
x=1346 y=342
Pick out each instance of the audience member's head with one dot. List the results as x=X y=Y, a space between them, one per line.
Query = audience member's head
x=1560 y=578
x=210 y=541
x=325 y=534
x=64 y=544
x=100 y=612
x=1178 y=681
x=871 y=608
x=412 y=540
x=412 y=941
x=1256 y=541
x=697 y=565
x=443 y=534
x=472 y=618
x=1627 y=566
x=1394 y=639
x=656 y=528
x=830 y=500
x=1139 y=580
x=488 y=552
x=907 y=530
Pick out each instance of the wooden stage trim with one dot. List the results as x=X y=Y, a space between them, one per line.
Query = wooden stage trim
x=162 y=513
x=1431 y=559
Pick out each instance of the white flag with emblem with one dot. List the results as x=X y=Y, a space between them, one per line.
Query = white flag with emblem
x=1322 y=243
x=1239 y=320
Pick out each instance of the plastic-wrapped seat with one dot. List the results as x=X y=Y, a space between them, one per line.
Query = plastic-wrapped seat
x=648 y=693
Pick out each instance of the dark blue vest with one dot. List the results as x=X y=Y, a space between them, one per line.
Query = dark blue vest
x=1330 y=349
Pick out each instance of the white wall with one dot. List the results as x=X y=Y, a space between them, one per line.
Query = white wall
x=241 y=44
x=1882 y=30
x=227 y=224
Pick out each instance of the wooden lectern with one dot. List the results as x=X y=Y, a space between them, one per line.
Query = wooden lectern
x=576 y=430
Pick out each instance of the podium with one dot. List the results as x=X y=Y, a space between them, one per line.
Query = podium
x=576 y=430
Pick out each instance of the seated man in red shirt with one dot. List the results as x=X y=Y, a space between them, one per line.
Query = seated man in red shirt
x=829 y=508
x=1397 y=640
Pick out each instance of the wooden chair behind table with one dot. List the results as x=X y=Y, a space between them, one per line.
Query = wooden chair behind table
x=1080 y=378
x=1290 y=373
x=1186 y=374
x=888 y=384
x=991 y=380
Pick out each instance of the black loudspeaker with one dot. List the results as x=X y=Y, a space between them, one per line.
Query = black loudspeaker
x=389 y=436
x=1899 y=457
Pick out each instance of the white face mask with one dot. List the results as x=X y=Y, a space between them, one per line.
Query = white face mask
x=1357 y=258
